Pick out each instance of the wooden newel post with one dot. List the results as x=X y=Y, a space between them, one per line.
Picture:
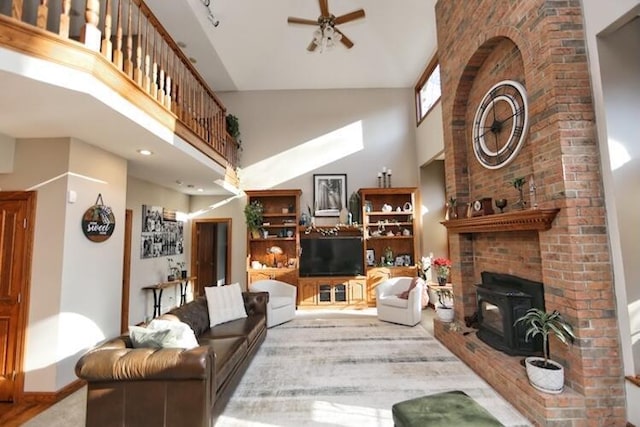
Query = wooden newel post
x=90 y=34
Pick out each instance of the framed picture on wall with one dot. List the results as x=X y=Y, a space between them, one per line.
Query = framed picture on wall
x=329 y=194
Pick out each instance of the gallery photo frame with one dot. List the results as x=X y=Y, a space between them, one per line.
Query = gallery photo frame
x=329 y=194
x=371 y=257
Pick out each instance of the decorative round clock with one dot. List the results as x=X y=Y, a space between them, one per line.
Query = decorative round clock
x=500 y=124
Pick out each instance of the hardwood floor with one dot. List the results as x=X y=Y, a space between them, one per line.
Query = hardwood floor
x=16 y=414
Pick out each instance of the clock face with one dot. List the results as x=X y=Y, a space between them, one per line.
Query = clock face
x=477 y=205
x=500 y=124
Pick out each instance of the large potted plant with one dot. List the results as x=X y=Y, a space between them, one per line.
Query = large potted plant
x=444 y=306
x=545 y=374
x=253 y=216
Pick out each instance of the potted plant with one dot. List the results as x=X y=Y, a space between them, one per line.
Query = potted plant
x=253 y=216
x=444 y=307
x=233 y=127
x=442 y=267
x=545 y=374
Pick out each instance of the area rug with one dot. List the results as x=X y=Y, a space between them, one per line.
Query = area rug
x=349 y=372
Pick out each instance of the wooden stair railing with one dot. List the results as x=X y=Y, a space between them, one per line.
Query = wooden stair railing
x=139 y=46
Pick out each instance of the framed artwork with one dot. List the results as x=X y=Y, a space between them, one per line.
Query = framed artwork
x=329 y=194
x=371 y=257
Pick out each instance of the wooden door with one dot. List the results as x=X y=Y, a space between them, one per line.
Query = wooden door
x=210 y=252
x=17 y=214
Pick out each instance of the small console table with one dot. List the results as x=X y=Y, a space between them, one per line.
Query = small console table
x=159 y=287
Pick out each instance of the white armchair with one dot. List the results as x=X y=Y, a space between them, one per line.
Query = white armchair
x=392 y=308
x=282 y=300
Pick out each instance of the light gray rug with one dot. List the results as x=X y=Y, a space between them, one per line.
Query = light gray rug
x=349 y=372
x=328 y=369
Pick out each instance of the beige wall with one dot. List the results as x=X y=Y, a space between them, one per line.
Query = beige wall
x=75 y=283
x=434 y=234
x=429 y=136
x=149 y=271
x=7 y=149
x=290 y=135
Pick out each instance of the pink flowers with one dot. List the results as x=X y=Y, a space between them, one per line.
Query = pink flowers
x=442 y=266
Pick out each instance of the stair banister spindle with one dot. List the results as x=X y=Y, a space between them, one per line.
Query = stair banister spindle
x=169 y=91
x=117 y=55
x=64 y=19
x=128 y=63
x=137 y=72
x=16 y=9
x=161 y=81
x=154 y=65
x=106 y=48
x=146 y=81
x=43 y=13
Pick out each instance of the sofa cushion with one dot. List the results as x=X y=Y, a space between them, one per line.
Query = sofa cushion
x=225 y=303
x=181 y=335
x=229 y=352
x=277 y=302
x=142 y=337
x=249 y=328
x=194 y=313
x=394 y=301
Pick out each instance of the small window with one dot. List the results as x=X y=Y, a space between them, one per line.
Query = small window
x=428 y=90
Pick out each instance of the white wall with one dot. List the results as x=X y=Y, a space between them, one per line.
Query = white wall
x=430 y=136
x=75 y=283
x=290 y=135
x=7 y=149
x=613 y=40
x=149 y=271
x=432 y=188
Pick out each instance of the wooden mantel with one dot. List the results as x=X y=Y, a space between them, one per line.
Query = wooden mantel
x=531 y=219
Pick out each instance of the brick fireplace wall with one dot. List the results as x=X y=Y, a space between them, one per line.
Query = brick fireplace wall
x=541 y=45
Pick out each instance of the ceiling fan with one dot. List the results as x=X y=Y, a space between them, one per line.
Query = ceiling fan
x=327 y=34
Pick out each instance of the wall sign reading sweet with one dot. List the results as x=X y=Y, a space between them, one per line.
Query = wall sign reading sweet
x=98 y=221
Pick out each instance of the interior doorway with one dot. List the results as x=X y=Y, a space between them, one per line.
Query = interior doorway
x=211 y=253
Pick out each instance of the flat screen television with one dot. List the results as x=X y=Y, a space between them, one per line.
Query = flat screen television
x=331 y=256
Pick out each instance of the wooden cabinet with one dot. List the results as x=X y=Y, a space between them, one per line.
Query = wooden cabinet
x=391 y=224
x=278 y=247
x=332 y=292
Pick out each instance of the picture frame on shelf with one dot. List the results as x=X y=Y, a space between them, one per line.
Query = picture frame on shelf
x=371 y=257
x=399 y=261
x=329 y=194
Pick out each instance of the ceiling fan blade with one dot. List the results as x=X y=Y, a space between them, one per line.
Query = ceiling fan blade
x=345 y=40
x=324 y=7
x=312 y=46
x=351 y=16
x=292 y=20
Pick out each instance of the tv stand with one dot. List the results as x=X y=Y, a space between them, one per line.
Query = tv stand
x=332 y=292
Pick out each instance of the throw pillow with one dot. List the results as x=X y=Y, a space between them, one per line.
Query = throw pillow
x=147 y=338
x=225 y=303
x=181 y=335
x=405 y=294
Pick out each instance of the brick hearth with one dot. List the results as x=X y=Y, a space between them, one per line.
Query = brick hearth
x=541 y=45
x=505 y=374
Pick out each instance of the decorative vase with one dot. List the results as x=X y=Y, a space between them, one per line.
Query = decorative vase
x=445 y=314
x=184 y=274
x=547 y=380
x=442 y=281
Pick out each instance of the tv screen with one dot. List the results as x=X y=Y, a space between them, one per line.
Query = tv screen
x=331 y=256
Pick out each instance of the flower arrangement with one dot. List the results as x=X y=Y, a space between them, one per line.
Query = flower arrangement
x=423 y=266
x=442 y=267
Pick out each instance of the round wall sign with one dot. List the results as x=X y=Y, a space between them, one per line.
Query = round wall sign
x=500 y=124
x=98 y=222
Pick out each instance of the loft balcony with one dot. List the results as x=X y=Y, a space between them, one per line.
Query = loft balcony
x=61 y=77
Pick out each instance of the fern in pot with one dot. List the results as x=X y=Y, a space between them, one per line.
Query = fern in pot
x=253 y=216
x=545 y=374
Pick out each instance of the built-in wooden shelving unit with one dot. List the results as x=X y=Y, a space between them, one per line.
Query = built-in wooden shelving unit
x=532 y=219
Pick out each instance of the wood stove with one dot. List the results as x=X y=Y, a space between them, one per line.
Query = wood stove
x=502 y=299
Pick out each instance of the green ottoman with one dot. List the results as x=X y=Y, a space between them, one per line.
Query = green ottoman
x=449 y=409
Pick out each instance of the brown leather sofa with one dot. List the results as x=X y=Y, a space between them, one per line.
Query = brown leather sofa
x=173 y=387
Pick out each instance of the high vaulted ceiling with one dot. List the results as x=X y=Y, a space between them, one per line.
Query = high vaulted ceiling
x=254 y=48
